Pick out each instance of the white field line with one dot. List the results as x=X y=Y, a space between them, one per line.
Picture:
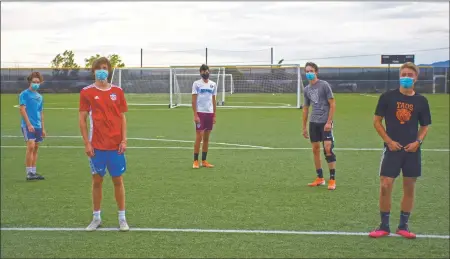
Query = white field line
x=231 y=148
x=74 y=108
x=236 y=231
x=368 y=95
x=156 y=139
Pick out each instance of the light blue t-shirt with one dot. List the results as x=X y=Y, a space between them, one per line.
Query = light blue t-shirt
x=33 y=103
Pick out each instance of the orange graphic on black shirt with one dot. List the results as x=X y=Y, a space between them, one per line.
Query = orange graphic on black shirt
x=404 y=111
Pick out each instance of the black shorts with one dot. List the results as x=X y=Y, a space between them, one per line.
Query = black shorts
x=317 y=132
x=392 y=162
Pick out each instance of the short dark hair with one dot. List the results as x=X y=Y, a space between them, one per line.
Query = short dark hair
x=35 y=75
x=313 y=65
x=204 y=67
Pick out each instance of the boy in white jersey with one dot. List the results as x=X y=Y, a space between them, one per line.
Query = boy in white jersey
x=204 y=93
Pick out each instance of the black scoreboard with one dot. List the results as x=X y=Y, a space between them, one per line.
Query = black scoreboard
x=396 y=59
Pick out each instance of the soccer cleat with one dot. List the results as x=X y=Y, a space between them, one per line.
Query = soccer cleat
x=31 y=176
x=195 y=165
x=94 y=225
x=317 y=182
x=331 y=184
x=123 y=225
x=379 y=232
x=404 y=232
x=206 y=164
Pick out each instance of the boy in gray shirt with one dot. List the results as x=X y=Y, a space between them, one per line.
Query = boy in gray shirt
x=319 y=95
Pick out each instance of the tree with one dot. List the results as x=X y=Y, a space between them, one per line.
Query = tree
x=115 y=59
x=66 y=60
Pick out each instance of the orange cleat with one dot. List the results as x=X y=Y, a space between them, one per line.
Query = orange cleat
x=206 y=164
x=317 y=182
x=196 y=165
x=331 y=184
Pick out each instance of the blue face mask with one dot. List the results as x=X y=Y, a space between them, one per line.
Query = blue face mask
x=101 y=74
x=35 y=86
x=406 y=82
x=310 y=76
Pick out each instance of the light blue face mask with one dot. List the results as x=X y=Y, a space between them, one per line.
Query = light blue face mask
x=310 y=76
x=101 y=74
x=406 y=82
x=35 y=86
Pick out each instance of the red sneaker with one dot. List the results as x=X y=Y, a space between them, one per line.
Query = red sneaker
x=379 y=233
x=406 y=233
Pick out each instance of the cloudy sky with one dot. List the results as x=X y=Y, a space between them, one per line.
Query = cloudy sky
x=234 y=32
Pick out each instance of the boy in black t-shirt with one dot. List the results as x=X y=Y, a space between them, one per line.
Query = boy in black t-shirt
x=403 y=110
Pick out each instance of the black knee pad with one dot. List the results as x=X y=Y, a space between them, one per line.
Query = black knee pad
x=332 y=157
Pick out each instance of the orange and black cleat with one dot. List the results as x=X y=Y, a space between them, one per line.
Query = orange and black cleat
x=317 y=182
x=206 y=164
x=331 y=184
x=195 y=165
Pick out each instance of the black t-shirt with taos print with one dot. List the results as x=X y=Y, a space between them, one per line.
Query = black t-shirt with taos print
x=403 y=114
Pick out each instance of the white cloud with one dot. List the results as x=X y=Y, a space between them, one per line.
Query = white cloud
x=33 y=33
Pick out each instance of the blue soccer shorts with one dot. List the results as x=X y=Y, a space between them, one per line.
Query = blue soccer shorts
x=108 y=159
x=36 y=135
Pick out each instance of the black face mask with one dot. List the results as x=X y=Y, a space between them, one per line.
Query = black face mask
x=205 y=76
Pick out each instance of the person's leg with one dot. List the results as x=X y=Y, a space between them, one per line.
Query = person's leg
x=389 y=170
x=117 y=166
x=205 y=145
x=411 y=171
x=39 y=139
x=198 y=140
x=315 y=136
x=328 y=145
x=98 y=169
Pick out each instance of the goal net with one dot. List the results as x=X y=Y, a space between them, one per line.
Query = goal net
x=256 y=86
x=144 y=86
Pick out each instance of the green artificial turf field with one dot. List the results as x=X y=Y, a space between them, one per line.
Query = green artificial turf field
x=263 y=165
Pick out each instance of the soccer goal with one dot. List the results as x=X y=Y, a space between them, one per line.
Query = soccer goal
x=248 y=86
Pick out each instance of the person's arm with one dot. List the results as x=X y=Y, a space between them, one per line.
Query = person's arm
x=123 y=110
x=305 y=110
x=83 y=115
x=424 y=121
x=41 y=110
x=331 y=102
x=194 y=99
x=380 y=113
x=23 y=109
x=214 y=99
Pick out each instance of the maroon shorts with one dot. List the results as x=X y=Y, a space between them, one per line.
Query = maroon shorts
x=206 y=121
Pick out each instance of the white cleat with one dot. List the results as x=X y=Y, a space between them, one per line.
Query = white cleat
x=94 y=225
x=123 y=225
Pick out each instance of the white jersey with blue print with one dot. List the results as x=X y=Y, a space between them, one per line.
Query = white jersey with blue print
x=204 y=92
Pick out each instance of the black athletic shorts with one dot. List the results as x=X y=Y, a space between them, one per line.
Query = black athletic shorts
x=317 y=132
x=392 y=162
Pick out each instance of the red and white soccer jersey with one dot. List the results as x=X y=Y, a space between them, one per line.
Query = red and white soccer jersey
x=105 y=109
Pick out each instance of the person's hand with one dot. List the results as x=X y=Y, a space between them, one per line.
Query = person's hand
x=44 y=133
x=394 y=146
x=305 y=133
x=30 y=128
x=196 y=118
x=89 y=150
x=412 y=147
x=327 y=126
x=214 y=119
x=122 y=147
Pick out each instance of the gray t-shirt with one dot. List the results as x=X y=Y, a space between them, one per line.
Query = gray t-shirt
x=317 y=96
